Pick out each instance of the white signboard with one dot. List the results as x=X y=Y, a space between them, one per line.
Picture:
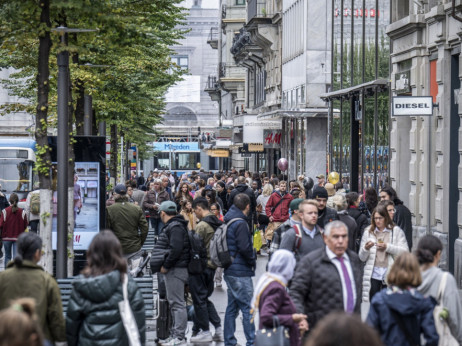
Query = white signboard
x=253 y=128
x=187 y=90
x=412 y=105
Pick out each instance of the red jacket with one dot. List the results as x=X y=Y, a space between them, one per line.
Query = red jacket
x=12 y=224
x=281 y=212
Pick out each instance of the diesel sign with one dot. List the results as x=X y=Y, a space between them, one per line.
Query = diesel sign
x=412 y=105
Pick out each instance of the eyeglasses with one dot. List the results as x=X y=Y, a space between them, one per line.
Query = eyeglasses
x=378 y=218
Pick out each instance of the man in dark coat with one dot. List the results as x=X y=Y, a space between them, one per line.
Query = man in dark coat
x=243 y=188
x=325 y=214
x=238 y=275
x=328 y=279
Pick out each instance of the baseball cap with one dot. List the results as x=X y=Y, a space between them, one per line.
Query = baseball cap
x=167 y=206
x=120 y=189
x=320 y=176
x=295 y=203
x=320 y=192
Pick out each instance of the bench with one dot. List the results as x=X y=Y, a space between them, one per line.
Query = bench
x=145 y=285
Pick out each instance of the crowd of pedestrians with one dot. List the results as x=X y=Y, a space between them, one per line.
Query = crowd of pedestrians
x=336 y=258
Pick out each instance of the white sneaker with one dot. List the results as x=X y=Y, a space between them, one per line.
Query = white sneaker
x=176 y=342
x=164 y=341
x=202 y=336
x=218 y=336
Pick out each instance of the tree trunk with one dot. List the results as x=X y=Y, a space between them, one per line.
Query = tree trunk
x=113 y=163
x=43 y=150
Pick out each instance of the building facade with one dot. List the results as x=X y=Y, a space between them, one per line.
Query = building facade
x=425 y=151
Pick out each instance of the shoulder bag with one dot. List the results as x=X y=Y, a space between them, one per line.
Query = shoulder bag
x=441 y=323
x=278 y=336
x=128 y=319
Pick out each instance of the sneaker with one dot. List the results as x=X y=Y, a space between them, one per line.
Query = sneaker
x=218 y=284
x=218 y=336
x=202 y=336
x=164 y=341
x=176 y=342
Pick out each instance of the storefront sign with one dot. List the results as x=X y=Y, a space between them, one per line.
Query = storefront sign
x=412 y=105
x=253 y=128
x=218 y=153
x=251 y=148
x=184 y=147
x=272 y=139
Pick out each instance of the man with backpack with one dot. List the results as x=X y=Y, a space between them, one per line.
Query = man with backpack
x=33 y=208
x=174 y=237
x=238 y=275
x=304 y=238
x=201 y=285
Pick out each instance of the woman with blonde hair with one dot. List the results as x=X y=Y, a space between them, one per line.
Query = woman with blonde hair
x=400 y=313
x=19 y=325
x=380 y=244
x=263 y=220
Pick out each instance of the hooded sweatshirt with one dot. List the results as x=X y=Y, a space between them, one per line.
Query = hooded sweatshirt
x=416 y=313
x=206 y=229
x=431 y=279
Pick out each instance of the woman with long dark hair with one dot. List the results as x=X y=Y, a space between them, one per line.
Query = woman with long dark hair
x=93 y=316
x=25 y=278
x=13 y=221
x=380 y=244
x=183 y=194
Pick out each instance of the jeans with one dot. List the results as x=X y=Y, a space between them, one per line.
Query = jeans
x=10 y=245
x=175 y=280
x=201 y=288
x=157 y=225
x=240 y=292
x=34 y=225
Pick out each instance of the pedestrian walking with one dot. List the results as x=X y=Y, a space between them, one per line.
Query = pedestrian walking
x=174 y=270
x=154 y=198
x=93 y=316
x=220 y=187
x=328 y=279
x=306 y=237
x=380 y=244
x=271 y=298
x=428 y=254
x=325 y=214
x=277 y=209
x=262 y=200
x=188 y=213
x=400 y=313
x=32 y=209
x=340 y=205
x=183 y=195
x=137 y=194
x=201 y=285
x=238 y=276
x=128 y=222
x=402 y=217
x=339 y=328
x=19 y=325
x=13 y=222
x=371 y=200
x=353 y=201
x=24 y=278
x=242 y=187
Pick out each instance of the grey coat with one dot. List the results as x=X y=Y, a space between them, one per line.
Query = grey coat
x=316 y=287
x=289 y=242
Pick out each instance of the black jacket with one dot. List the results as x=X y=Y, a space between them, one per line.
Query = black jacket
x=352 y=227
x=316 y=288
x=223 y=195
x=3 y=202
x=403 y=219
x=361 y=224
x=174 y=236
x=327 y=215
x=93 y=316
x=243 y=188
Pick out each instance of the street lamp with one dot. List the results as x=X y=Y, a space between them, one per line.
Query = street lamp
x=63 y=145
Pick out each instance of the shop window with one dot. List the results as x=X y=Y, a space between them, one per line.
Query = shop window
x=240 y=2
x=400 y=9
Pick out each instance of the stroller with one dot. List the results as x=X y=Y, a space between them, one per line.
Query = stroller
x=144 y=260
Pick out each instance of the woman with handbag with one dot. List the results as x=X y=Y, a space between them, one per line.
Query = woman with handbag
x=106 y=307
x=273 y=307
x=443 y=287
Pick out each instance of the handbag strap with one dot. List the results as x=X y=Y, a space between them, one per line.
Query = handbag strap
x=442 y=287
x=276 y=323
x=125 y=286
x=277 y=205
x=399 y=320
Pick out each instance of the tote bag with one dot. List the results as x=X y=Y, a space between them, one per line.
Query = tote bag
x=128 y=319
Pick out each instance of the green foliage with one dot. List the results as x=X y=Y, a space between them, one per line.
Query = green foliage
x=131 y=43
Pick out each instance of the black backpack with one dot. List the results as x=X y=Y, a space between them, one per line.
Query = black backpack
x=198 y=254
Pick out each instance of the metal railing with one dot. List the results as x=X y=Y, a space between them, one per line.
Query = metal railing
x=256 y=9
x=213 y=35
x=222 y=70
x=212 y=83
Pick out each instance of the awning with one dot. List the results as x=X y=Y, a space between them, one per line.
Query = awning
x=298 y=113
x=356 y=90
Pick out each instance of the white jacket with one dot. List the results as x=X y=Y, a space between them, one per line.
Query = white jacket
x=397 y=245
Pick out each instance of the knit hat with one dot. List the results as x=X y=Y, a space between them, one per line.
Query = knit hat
x=295 y=203
x=320 y=192
x=330 y=189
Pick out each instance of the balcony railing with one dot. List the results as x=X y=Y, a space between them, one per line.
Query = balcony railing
x=257 y=9
x=212 y=40
x=212 y=83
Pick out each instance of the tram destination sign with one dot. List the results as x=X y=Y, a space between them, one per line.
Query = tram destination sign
x=412 y=105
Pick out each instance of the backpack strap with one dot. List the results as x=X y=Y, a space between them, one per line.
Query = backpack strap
x=298 y=237
x=4 y=215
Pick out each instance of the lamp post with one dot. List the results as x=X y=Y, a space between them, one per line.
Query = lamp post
x=63 y=144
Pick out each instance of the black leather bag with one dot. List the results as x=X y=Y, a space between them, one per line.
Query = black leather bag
x=157 y=259
x=278 y=336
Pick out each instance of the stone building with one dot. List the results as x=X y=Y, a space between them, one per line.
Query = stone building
x=425 y=161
